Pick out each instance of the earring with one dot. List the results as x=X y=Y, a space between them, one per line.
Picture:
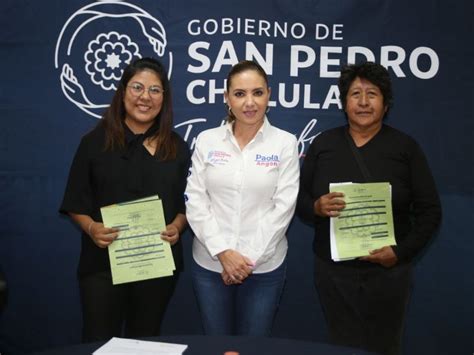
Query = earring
x=267 y=110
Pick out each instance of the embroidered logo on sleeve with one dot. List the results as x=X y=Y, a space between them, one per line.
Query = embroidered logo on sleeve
x=267 y=160
x=218 y=157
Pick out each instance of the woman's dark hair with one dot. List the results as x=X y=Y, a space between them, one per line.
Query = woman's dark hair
x=114 y=116
x=375 y=73
x=238 y=68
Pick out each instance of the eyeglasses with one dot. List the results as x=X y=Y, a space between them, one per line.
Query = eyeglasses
x=137 y=89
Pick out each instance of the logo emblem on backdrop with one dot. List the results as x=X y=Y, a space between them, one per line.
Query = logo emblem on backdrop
x=97 y=42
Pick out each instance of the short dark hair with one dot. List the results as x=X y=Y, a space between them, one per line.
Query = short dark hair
x=370 y=71
x=238 y=68
x=114 y=116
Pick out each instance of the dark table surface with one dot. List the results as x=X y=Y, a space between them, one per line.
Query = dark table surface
x=218 y=345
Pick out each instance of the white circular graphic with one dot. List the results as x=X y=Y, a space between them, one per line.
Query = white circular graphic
x=95 y=45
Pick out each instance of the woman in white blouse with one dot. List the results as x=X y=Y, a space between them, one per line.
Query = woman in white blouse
x=240 y=199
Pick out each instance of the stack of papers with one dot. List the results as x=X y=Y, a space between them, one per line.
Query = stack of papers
x=120 y=346
x=138 y=253
x=365 y=224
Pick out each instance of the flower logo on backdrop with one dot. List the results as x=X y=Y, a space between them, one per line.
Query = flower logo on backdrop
x=95 y=45
x=106 y=54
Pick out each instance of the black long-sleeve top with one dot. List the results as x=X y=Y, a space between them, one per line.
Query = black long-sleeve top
x=391 y=156
x=99 y=178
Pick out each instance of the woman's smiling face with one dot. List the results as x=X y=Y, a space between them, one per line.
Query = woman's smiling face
x=142 y=108
x=365 y=107
x=248 y=97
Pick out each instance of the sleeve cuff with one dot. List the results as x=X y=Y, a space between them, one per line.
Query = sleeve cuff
x=215 y=246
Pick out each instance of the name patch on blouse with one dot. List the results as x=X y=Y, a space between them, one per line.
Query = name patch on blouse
x=218 y=157
x=267 y=160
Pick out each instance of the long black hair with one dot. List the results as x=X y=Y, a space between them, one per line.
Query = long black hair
x=114 y=117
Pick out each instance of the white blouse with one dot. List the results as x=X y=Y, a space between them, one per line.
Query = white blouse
x=242 y=199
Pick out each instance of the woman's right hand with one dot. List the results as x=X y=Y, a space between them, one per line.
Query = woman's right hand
x=329 y=205
x=236 y=266
x=102 y=236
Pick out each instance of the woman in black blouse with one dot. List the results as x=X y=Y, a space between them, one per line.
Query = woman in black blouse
x=365 y=300
x=131 y=154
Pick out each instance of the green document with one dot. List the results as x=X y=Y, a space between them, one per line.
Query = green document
x=365 y=224
x=138 y=253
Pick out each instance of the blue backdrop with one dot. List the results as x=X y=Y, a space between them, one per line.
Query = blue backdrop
x=60 y=61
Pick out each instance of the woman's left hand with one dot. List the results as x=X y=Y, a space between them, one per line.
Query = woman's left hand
x=384 y=256
x=236 y=267
x=227 y=279
x=171 y=234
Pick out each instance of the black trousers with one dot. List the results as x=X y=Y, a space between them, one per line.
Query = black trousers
x=128 y=310
x=364 y=307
